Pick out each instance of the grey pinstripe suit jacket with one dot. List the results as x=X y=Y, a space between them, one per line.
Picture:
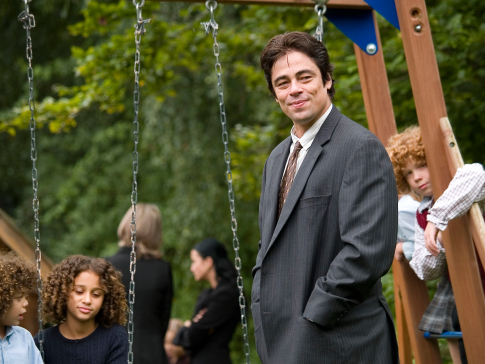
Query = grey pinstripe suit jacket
x=322 y=260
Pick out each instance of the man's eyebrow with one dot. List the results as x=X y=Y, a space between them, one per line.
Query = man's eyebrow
x=284 y=77
x=298 y=74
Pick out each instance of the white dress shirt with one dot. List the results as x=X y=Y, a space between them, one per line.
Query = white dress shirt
x=306 y=140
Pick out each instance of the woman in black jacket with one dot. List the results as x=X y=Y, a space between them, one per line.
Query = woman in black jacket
x=206 y=337
x=153 y=282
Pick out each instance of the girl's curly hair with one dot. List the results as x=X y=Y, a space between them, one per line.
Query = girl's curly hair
x=17 y=277
x=60 y=283
x=403 y=148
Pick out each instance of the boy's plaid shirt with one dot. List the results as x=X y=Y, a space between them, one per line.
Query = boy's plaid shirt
x=467 y=187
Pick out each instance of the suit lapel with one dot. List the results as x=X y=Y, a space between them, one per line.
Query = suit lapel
x=273 y=186
x=322 y=137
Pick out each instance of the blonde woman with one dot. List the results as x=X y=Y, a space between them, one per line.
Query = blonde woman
x=153 y=282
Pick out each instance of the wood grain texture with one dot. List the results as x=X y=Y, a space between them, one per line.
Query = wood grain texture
x=375 y=90
x=15 y=240
x=430 y=107
x=477 y=225
x=403 y=338
x=332 y=4
x=415 y=300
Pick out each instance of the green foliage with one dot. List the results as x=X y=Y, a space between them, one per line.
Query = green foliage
x=83 y=67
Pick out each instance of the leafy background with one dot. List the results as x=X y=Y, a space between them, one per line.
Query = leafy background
x=83 y=66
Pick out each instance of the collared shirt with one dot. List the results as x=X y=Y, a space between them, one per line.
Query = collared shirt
x=467 y=187
x=17 y=347
x=306 y=140
x=426 y=266
x=407 y=207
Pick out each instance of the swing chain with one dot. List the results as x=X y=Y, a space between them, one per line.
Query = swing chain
x=28 y=21
x=212 y=26
x=320 y=9
x=139 y=31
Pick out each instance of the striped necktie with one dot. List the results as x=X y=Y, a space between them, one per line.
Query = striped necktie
x=288 y=177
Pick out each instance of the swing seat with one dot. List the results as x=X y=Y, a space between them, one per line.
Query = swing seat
x=444 y=335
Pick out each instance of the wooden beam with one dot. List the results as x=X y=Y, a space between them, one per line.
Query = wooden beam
x=332 y=4
x=415 y=300
x=15 y=240
x=430 y=107
x=375 y=90
x=403 y=338
x=455 y=161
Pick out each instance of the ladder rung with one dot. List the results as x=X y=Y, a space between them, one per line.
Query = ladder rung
x=444 y=335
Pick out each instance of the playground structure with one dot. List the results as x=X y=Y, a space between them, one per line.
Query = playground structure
x=356 y=19
x=12 y=239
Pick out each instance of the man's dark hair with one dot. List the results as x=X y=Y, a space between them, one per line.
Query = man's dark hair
x=280 y=45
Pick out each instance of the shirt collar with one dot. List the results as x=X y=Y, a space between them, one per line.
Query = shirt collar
x=307 y=138
x=425 y=204
x=9 y=331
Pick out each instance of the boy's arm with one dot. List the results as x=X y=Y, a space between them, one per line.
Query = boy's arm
x=467 y=187
x=426 y=266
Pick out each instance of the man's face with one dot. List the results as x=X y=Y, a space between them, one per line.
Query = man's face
x=299 y=89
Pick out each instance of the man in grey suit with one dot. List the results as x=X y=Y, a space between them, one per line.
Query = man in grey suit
x=328 y=223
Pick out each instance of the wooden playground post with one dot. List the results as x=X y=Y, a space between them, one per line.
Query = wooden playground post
x=375 y=90
x=430 y=107
x=11 y=238
x=332 y=4
x=455 y=161
x=410 y=293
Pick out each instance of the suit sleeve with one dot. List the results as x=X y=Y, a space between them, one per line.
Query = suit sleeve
x=256 y=272
x=367 y=215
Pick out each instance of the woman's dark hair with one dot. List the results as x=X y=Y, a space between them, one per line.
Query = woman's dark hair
x=280 y=45
x=212 y=248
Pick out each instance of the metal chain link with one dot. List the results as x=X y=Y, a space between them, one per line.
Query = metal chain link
x=320 y=9
x=212 y=26
x=28 y=22
x=139 y=31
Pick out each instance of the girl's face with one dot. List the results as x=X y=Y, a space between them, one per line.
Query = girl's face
x=86 y=297
x=200 y=267
x=15 y=313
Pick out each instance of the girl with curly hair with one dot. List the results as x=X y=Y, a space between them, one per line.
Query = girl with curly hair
x=84 y=297
x=17 y=277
